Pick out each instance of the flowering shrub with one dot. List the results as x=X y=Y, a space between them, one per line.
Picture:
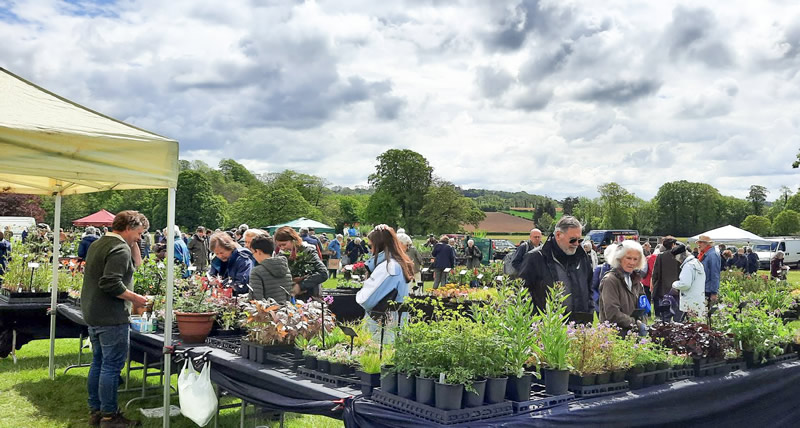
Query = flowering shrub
x=591 y=348
x=271 y=323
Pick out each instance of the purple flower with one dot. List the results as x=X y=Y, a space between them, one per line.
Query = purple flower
x=328 y=300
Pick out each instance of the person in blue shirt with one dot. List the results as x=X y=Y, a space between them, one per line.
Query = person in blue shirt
x=232 y=262
x=335 y=248
x=709 y=257
x=5 y=253
x=86 y=241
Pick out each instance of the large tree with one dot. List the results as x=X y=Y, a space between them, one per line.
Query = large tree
x=757 y=198
x=269 y=206
x=617 y=204
x=786 y=223
x=404 y=176
x=445 y=210
x=757 y=224
x=685 y=209
x=381 y=209
x=19 y=205
x=568 y=204
x=196 y=204
x=589 y=212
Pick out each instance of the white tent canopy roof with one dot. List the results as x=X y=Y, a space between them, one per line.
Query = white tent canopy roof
x=50 y=144
x=730 y=234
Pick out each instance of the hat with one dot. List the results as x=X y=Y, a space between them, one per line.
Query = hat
x=705 y=238
x=678 y=249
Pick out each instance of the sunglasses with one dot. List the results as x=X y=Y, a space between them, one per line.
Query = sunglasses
x=574 y=240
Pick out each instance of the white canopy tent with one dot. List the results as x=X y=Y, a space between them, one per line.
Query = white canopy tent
x=53 y=146
x=731 y=234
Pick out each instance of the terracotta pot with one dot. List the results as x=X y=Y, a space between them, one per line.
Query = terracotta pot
x=138 y=310
x=194 y=328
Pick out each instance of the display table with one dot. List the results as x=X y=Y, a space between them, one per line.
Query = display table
x=269 y=387
x=753 y=398
x=22 y=322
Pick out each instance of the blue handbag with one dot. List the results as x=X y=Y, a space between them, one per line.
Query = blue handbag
x=644 y=304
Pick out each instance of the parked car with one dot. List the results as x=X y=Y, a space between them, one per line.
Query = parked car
x=501 y=247
x=603 y=238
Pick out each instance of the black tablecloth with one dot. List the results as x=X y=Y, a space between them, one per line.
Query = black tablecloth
x=270 y=387
x=31 y=322
x=767 y=397
x=344 y=305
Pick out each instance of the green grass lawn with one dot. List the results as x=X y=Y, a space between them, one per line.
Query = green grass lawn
x=29 y=399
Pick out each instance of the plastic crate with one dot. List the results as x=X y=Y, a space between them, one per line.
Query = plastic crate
x=333 y=380
x=640 y=380
x=443 y=417
x=792 y=356
x=12 y=297
x=230 y=344
x=285 y=359
x=599 y=390
x=716 y=368
x=540 y=401
x=679 y=374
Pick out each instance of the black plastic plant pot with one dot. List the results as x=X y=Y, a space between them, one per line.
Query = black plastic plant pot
x=660 y=378
x=585 y=380
x=475 y=399
x=406 y=385
x=337 y=369
x=298 y=353
x=636 y=370
x=495 y=390
x=751 y=359
x=604 y=378
x=424 y=390
x=519 y=388
x=310 y=362
x=662 y=366
x=618 y=375
x=324 y=366
x=448 y=397
x=648 y=379
x=368 y=382
x=388 y=380
x=649 y=367
x=556 y=382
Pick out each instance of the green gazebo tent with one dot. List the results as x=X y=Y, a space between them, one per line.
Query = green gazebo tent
x=304 y=222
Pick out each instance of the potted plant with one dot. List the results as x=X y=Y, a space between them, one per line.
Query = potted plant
x=554 y=341
x=369 y=371
x=449 y=389
x=194 y=313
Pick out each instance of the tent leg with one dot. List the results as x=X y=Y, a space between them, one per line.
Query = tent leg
x=54 y=286
x=167 y=352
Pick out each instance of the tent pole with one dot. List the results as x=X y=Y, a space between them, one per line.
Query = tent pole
x=54 y=286
x=167 y=353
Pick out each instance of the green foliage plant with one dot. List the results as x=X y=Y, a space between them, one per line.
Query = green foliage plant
x=554 y=339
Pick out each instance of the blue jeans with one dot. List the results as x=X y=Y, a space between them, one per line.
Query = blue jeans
x=110 y=350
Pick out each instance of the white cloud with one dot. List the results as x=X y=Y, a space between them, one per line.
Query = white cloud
x=537 y=95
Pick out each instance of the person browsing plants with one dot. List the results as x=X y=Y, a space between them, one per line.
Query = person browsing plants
x=270 y=278
x=308 y=271
x=391 y=271
x=107 y=283
x=232 y=261
x=621 y=287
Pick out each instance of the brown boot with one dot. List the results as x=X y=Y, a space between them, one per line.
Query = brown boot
x=94 y=418
x=117 y=421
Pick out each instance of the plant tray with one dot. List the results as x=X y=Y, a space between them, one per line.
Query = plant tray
x=540 y=401
x=285 y=359
x=717 y=368
x=444 y=417
x=230 y=344
x=599 y=390
x=637 y=381
x=679 y=374
x=12 y=297
x=792 y=356
x=333 y=380
x=75 y=301
x=259 y=353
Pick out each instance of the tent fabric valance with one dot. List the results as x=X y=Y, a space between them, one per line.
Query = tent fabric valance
x=52 y=145
x=100 y=218
x=726 y=234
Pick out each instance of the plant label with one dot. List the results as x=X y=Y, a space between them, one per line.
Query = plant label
x=447 y=270
x=348 y=267
x=499 y=278
x=463 y=272
x=480 y=276
x=33 y=265
x=425 y=270
x=192 y=268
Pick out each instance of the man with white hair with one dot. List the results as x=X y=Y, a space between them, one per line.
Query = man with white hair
x=86 y=241
x=534 y=242
x=561 y=259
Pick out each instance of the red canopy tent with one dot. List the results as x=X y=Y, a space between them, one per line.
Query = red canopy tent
x=100 y=218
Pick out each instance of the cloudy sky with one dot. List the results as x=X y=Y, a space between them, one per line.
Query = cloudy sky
x=550 y=97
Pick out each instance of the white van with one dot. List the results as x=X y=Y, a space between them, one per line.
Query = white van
x=790 y=245
x=17 y=225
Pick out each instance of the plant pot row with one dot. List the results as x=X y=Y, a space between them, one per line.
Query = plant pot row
x=330 y=367
x=454 y=397
x=650 y=374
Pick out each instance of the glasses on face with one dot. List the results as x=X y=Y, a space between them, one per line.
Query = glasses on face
x=574 y=240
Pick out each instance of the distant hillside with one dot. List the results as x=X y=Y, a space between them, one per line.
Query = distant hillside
x=502 y=223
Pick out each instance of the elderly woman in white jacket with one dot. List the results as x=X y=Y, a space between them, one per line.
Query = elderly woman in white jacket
x=691 y=282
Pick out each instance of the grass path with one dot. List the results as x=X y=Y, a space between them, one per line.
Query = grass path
x=29 y=399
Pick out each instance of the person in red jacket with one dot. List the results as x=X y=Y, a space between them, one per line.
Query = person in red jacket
x=651 y=261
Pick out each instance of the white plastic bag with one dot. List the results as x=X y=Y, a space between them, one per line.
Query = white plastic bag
x=196 y=393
